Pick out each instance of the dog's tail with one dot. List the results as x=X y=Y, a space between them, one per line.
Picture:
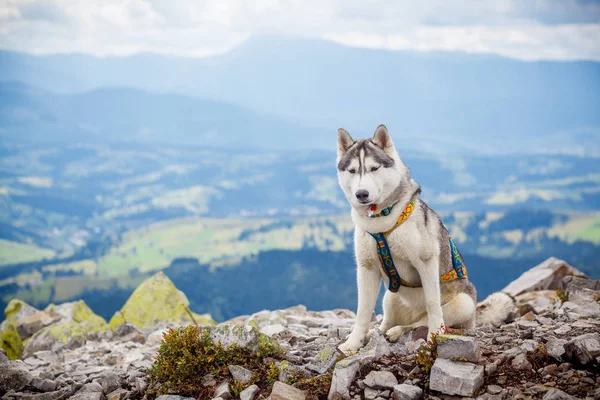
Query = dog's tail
x=497 y=309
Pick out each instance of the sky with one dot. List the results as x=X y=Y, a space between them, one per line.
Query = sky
x=525 y=29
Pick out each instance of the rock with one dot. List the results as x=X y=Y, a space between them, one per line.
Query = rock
x=377 y=347
x=546 y=276
x=370 y=394
x=249 y=393
x=10 y=341
x=173 y=397
x=3 y=357
x=458 y=348
x=241 y=374
x=157 y=300
x=456 y=378
x=524 y=324
x=380 y=380
x=242 y=336
x=208 y=381
x=555 y=394
x=520 y=362
x=17 y=309
x=109 y=381
x=324 y=360
x=223 y=391
x=556 y=348
x=281 y=391
x=78 y=324
x=286 y=370
x=43 y=385
x=271 y=330
x=129 y=333
x=92 y=387
x=576 y=283
x=88 y=396
x=583 y=349
x=562 y=330
x=14 y=376
x=343 y=375
x=118 y=394
x=407 y=392
x=29 y=325
x=539 y=301
x=494 y=389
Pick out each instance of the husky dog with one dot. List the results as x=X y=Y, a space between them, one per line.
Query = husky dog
x=377 y=183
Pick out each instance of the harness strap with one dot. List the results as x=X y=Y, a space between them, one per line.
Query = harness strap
x=458 y=270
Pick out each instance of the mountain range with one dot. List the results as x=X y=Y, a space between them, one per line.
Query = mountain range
x=441 y=101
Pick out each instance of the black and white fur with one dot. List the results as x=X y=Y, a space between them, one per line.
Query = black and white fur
x=371 y=172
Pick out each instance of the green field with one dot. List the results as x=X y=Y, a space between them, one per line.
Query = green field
x=15 y=253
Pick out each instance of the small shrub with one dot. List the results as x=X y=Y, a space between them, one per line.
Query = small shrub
x=561 y=297
x=187 y=354
x=427 y=352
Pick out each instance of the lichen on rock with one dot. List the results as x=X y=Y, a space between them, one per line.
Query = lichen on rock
x=158 y=300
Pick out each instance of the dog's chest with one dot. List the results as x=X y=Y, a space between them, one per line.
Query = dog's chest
x=402 y=248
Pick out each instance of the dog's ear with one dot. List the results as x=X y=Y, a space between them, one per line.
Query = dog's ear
x=344 y=141
x=382 y=138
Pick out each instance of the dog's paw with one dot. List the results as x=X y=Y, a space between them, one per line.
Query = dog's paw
x=393 y=334
x=438 y=330
x=350 y=346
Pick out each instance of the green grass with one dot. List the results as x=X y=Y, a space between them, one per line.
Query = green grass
x=14 y=252
x=215 y=241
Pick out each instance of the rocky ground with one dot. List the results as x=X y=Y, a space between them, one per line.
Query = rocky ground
x=550 y=351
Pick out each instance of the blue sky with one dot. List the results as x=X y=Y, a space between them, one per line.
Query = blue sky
x=526 y=29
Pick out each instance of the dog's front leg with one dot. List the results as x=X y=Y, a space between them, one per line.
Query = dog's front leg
x=430 y=279
x=369 y=283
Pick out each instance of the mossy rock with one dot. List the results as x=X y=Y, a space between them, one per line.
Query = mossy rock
x=158 y=300
x=17 y=309
x=10 y=340
x=79 y=324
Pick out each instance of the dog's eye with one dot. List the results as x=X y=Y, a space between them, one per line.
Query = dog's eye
x=373 y=169
x=352 y=171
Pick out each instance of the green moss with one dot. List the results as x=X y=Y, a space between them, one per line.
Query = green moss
x=188 y=353
x=156 y=300
x=324 y=354
x=11 y=341
x=13 y=307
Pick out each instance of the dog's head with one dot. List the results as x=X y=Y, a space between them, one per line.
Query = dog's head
x=369 y=170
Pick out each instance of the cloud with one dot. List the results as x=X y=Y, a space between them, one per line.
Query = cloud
x=531 y=30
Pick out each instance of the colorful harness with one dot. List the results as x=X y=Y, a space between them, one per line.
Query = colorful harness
x=458 y=270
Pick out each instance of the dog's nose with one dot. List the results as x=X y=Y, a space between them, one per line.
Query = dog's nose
x=362 y=195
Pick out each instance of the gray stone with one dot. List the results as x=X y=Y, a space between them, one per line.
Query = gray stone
x=325 y=359
x=556 y=348
x=455 y=378
x=119 y=394
x=44 y=385
x=3 y=357
x=271 y=330
x=88 y=396
x=14 y=376
x=343 y=375
x=208 y=381
x=377 y=347
x=173 y=397
x=281 y=391
x=380 y=380
x=407 y=392
x=461 y=348
x=520 y=362
x=370 y=393
x=583 y=349
x=524 y=324
x=241 y=374
x=576 y=283
x=562 y=330
x=246 y=337
x=249 y=393
x=91 y=388
x=109 y=381
x=547 y=275
x=494 y=389
x=555 y=394
x=223 y=391
x=30 y=324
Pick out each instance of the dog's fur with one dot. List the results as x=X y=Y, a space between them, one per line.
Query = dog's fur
x=419 y=246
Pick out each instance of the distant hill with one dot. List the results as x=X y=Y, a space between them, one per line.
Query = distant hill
x=103 y=115
x=477 y=101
